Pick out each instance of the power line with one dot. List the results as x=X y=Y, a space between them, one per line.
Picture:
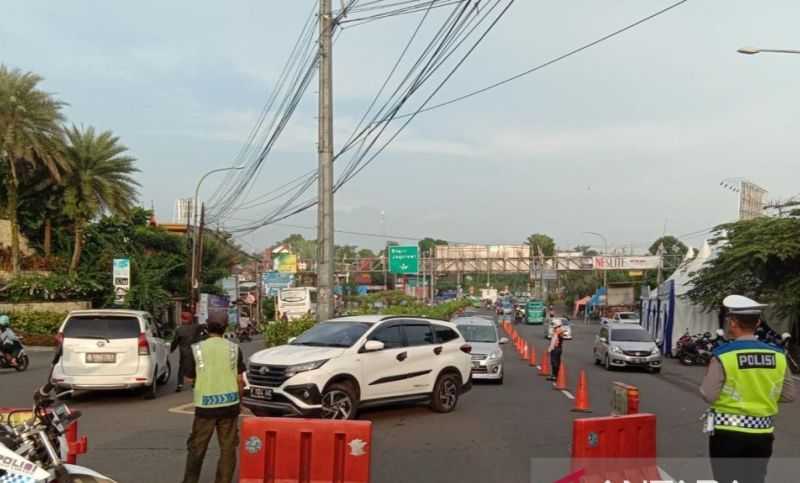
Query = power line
x=551 y=61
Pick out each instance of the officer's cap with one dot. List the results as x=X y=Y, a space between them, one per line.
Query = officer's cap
x=737 y=304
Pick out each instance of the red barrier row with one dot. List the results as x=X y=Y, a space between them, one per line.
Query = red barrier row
x=283 y=450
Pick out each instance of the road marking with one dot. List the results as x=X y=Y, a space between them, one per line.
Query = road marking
x=183 y=409
x=664 y=475
x=188 y=408
x=568 y=394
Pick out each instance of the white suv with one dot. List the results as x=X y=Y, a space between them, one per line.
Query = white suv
x=111 y=349
x=340 y=366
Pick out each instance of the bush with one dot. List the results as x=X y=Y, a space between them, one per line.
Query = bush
x=54 y=286
x=36 y=323
x=443 y=311
x=278 y=332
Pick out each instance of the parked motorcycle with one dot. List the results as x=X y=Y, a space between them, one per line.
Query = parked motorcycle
x=34 y=449
x=695 y=350
x=22 y=361
x=519 y=315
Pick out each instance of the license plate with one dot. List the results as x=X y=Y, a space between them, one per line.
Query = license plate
x=638 y=360
x=101 y=358
x=261 y=393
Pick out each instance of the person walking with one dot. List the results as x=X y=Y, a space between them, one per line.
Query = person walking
x=744 y=383
x=556 y=341
x=216 y=368
x=187 y=334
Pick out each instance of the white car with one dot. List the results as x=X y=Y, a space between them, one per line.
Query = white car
x=111 y=349
x=549 y=327
x=625 y=318
x=342 y=365
x=487 y=355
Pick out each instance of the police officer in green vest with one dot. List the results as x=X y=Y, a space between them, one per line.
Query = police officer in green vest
x=745 y=381
x=216 y=369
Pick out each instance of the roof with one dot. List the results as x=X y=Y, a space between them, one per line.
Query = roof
x=473 y=321
x=136 y=313
x=374 y=319
x=625 y=326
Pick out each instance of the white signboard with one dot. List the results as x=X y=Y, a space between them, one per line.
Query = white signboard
x=625 y=263
x=122 y=279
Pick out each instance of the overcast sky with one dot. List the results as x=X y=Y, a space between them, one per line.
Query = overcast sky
x=625 y=138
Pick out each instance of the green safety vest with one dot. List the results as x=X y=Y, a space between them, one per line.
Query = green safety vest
x=754 y=375
x=216 y=364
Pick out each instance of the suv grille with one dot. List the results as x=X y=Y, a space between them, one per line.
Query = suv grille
x=269 y=376
x=478 y=357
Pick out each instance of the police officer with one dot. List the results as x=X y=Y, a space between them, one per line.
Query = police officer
x=216 y=368
x=745 y=381
x=556 y=342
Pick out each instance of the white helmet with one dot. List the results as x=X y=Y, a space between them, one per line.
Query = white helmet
x=556 y=323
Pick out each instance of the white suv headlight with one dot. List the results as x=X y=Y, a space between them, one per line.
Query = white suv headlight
x=292 y=371
x=495 y=355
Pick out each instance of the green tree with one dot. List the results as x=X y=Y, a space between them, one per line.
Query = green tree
x=674 y=251
x=100 y=181
x=30 y=137
x=366 y=253
x=345 y=252
x=759 y=258
x=297 y=244
x=427 y=244
x=546 y=244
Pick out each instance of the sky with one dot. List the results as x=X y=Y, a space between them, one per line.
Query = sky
x=630 y=138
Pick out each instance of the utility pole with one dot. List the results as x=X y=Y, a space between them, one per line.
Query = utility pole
x=199 y=255
x=325 y=271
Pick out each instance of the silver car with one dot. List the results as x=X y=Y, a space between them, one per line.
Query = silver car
x=623 y=345
x=487 y=355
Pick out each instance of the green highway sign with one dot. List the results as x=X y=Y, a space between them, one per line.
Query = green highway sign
x=403 y=259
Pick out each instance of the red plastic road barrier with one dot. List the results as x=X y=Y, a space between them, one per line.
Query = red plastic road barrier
x=615 y=448
x=283 y=450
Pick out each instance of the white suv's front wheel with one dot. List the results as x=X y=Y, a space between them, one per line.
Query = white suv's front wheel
x=445 y=393
x=339 y=402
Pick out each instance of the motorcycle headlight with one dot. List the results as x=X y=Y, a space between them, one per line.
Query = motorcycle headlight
x=292 y=371
x=616 y=349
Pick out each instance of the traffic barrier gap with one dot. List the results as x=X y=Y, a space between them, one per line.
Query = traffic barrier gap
x=533 y=356
x=615 y=448
x=282 y=450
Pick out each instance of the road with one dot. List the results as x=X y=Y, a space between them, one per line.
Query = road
x=497 y=433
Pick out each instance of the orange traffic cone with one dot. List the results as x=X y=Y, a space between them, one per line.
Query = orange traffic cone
x=582 y=395
x=544 y=369
x=525 y=354
x=561 y=380
x=533 y=356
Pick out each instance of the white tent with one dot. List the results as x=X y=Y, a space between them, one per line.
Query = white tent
x=688 y=316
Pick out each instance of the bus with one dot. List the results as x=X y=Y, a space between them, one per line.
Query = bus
x=294 y=303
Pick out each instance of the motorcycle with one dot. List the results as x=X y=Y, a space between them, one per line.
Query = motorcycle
x=33 y=449
x=697 y=349
x=22 y=361
x=782 y=341
x=519 y=315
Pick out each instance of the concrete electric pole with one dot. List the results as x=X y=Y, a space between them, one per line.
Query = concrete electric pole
x=325 y=270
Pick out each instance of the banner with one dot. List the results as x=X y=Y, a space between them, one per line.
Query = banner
x=274 y=281
x=122 y=279
x=625 y=263
x=212 y=308
x=285 y=263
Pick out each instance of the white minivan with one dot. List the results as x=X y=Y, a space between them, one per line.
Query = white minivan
x=111 y=349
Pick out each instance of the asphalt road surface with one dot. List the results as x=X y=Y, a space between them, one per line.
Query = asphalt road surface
x=497 y=433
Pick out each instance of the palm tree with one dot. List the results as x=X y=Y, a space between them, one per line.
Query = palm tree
x=100 y=181
x=30 y=136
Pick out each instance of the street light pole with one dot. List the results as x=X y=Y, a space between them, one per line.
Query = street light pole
x=605 y=253
x=196 y=228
